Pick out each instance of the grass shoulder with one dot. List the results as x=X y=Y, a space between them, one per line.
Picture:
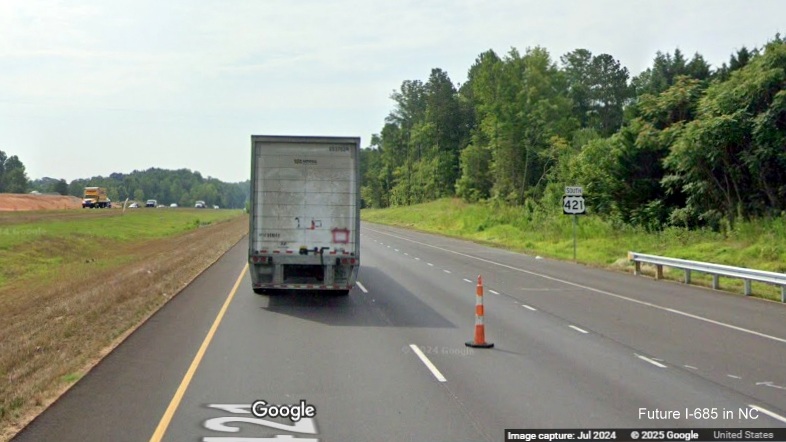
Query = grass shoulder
x=76 y=283
x=759 y=244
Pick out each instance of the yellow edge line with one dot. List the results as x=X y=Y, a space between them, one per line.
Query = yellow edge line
x=181 y=390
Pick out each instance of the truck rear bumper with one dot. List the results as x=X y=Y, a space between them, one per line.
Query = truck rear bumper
x=302 y=286
x=304 y=272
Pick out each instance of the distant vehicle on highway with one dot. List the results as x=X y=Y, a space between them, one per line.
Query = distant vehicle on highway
x=215 y=206
x=95 y=197
x=133 y=206
x=200 y=204
x=151 y=203
x=173 y=205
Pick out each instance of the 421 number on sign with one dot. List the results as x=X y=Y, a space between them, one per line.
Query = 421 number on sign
x=573 y=205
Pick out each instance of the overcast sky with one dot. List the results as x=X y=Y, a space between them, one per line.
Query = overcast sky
x=93 y=87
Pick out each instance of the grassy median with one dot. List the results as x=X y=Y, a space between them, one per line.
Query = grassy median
x=74 y=283
x=760 y=244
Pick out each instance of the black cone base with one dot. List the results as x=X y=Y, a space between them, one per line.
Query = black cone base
x=479 y=345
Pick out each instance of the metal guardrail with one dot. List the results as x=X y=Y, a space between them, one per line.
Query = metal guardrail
x=716 y=270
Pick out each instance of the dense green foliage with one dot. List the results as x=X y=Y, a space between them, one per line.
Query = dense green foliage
x=182 y=187
x=13 y=178
x=681 y=144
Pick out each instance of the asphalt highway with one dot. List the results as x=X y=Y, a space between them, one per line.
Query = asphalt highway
x=574 y=347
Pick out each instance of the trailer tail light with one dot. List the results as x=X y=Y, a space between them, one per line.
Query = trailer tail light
x=260 y=259
x=347 y=260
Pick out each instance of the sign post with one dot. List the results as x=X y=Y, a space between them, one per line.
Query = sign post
x=574 y=237
x=573 y=204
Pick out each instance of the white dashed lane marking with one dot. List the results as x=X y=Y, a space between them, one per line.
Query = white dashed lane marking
x=432 y=368
x=771 y=384
x=651 y=361
x=592 y=289
x=769 y=413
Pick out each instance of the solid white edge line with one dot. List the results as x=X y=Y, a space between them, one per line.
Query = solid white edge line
x=578 y=329
x=655 y=363
x=361 y=287
x=432 y=368
x=494 y=292
x=768 y=413
x=467 y=280
x=529 y=308
x=603 y=292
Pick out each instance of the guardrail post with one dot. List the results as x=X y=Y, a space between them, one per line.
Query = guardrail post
x=636 y=264
x=715 y=282
x=687 y=276
x=658 y=271
x=747 y=287
x=783 y=293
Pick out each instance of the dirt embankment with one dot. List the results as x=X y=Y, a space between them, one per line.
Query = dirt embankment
x=89 y=309
x=25 y=201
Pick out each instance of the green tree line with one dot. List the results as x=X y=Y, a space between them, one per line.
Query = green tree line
x=13 y=177
x=680 y=144
x=182 y=186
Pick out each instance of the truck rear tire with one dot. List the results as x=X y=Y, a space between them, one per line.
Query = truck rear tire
x=340 y=292
x=260 y=291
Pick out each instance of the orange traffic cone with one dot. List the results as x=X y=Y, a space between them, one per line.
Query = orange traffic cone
x=480 y=331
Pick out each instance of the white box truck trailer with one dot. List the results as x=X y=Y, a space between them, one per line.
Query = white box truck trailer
x=304 y=231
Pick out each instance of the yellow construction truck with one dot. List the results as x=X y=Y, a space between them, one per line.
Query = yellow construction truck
x=95 y=197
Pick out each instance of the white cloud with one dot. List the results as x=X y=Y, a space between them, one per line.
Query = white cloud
x=214 y=71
